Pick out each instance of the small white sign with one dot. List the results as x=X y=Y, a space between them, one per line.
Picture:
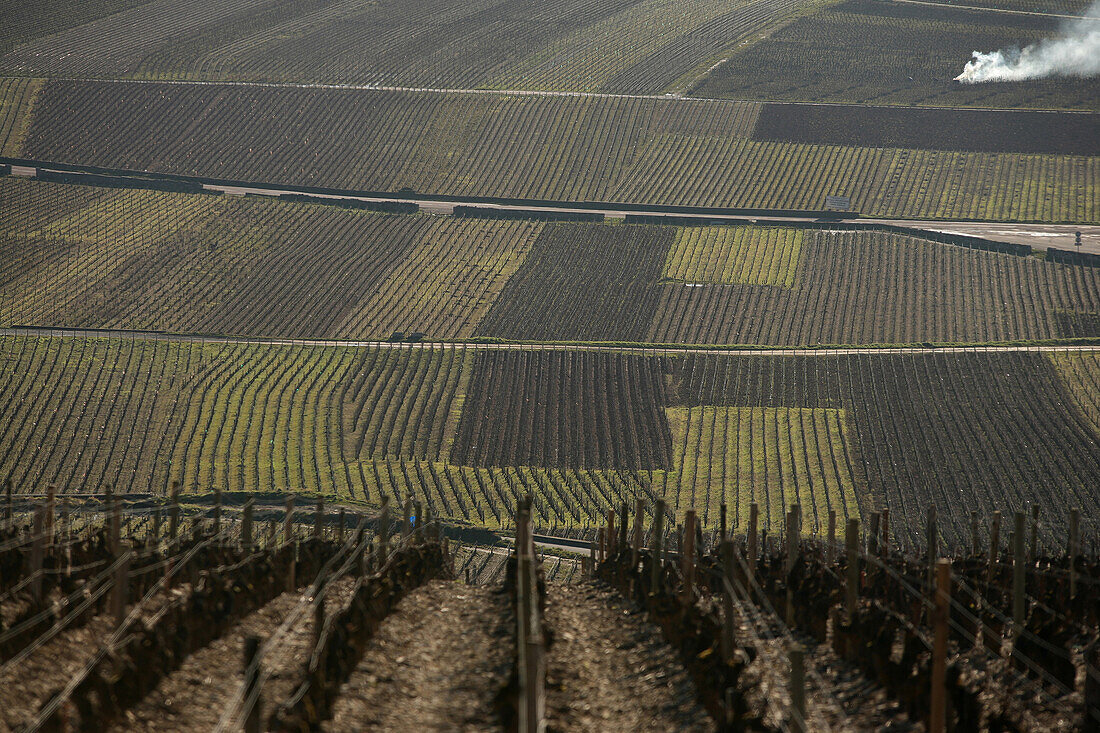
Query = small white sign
x=838 y=203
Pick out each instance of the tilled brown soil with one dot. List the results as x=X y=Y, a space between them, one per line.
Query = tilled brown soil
x=439 y=662
x=609 y=669
x=28 y=684
x=196 y=695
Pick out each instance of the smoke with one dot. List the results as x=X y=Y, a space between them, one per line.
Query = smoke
x=1075 y=53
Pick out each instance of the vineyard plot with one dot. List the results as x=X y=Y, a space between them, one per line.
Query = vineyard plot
x=774 y=456
x=642 y=150
x=93 y=257
x=965 y=431
x=574 y=409
x=865 y=51
x=583 y=282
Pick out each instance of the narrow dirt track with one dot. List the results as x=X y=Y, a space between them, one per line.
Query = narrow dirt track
x=439 y=662
x=609 y=669
x=195 y=696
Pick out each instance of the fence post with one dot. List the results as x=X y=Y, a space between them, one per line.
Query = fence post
x=246 y=526
x=418 y=522
x=722 y=523
x=319 y=519
x=9 y=516
x=1074 y=549
x=272 y=530
x=1018 y=577
x=851 y=539
x=251 y=684
x=405 y=529
x=340 y=527
x=754 y=519
x=796 y=654
x=639 y=514
x=657 y=542
x=687 y=559
x=611 y=537
x=938 y=709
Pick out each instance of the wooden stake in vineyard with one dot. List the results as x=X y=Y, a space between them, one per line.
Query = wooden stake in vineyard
x=937 y=719
x=9 y=516
x=657 y=542
x=636 y=549
x=754 y=553
x=687 y=559
x=288 y=521
x=174 y=512
x=851 y=539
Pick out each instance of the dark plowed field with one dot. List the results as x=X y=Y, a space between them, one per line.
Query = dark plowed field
x=564 y=409
x=585 y=283
x=984 y=131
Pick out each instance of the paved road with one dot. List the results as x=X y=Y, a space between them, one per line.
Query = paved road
x=648 y=351
x=1038 y=236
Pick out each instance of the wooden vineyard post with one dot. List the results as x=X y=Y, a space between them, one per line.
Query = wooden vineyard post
x=657 y=542
x=115 y=524
x=38 y=551
x=9 y=516
x=529 y=642
x=1018 y=577
x=796 y=655
x=975 y=540
x=340 y=527
x=319 y=519
x=174 y=512
x=885 y=548
x=66 y=537
x=851 y=539
x=601 y=550
x=119 y=591
x=687 y=559
x=252 y=684
x=994 y=543
x=722 y=523
x=872 y=534
x=932 y=541
x=417 y=522
x=384 y=530
x=622 y=543
x=727 y=599
x=610 y=537
x=408 y=518
x=288 y=521
x=155 y=540
x=938 y=708
x=51 y=500
x=830 y=541
x=1033 y=547
x=792 y=557
x=635 y=553
x=1074 y=549
x=272 y=530
x=246 y=526
x=754 y=519
x=218 y=515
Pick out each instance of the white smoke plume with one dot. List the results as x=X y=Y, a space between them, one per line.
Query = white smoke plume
x=1075 y=53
